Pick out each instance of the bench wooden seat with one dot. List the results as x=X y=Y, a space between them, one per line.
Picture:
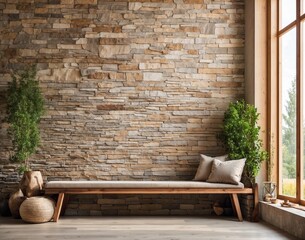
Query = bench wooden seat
x=66 y=188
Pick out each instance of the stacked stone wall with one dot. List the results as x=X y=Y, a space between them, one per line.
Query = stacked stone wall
x=135 y=90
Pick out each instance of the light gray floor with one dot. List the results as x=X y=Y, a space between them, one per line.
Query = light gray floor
x=140 y=228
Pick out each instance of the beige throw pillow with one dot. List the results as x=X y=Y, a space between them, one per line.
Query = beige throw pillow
x=227 y=172
x=205 y=165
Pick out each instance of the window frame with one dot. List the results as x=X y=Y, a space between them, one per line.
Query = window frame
x=297 y=23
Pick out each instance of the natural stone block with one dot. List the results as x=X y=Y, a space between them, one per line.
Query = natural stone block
x=192 y=52
x=48 y=50
x=129 y=67
x=189 y=29
x=134 y=76
x=41 y=10
x=27 y=52
x=134 y=6
x=66 y=92
x=85 y=1
x=149 y=66
x=54 y=1
x=208 y=28
x=110 y=67
x=152 y=76
x=80 y=22
x=117 y=76
x=193 y=1
x=110 y=107
x=68 y=46
x=111 y=201
x=99 y=75
x=187 y=206
x=81 y=41
x=111 y=51
x=92 y=45
x=64 y=74
x=61 y=25
x=176 y=46
x=113 y=35
x=67 y=1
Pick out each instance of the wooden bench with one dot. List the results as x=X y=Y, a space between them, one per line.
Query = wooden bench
x=65 y=188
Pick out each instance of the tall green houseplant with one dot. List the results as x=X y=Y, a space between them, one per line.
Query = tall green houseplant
x=24 y=108
x=241 y=137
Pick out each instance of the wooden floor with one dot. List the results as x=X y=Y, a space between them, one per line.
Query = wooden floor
x=139 y=228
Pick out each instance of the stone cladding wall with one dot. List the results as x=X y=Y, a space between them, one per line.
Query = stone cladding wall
x=135 y=90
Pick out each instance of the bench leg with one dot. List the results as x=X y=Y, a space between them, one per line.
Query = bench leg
x=58 y=206
x=236 y=206
x=233 y=206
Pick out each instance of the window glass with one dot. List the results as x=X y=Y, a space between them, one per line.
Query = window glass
x=288 y=121
x=288 y=12
x=302 y=7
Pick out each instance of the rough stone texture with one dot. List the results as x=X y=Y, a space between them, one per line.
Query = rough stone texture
x=140 y=205
x=290 y=220
x=134 y=89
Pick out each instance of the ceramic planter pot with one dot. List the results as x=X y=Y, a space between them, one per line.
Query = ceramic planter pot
x=31 y=183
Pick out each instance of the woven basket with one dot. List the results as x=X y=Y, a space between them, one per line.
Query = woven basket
x=37 y=210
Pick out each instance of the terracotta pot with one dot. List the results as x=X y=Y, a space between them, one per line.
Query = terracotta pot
x=14 y=203
x=31 y=183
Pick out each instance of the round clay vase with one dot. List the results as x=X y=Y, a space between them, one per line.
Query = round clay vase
x=14 y=203
x=37 y=210
x=31 y=183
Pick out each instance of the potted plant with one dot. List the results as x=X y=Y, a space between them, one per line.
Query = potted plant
x=241 y=138
x=24 y=110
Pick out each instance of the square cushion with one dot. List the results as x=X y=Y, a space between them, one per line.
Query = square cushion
x=205 y=165
x=226 y=172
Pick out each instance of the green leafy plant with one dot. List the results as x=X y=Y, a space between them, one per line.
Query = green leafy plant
x=24 y=108
x=241 y=137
